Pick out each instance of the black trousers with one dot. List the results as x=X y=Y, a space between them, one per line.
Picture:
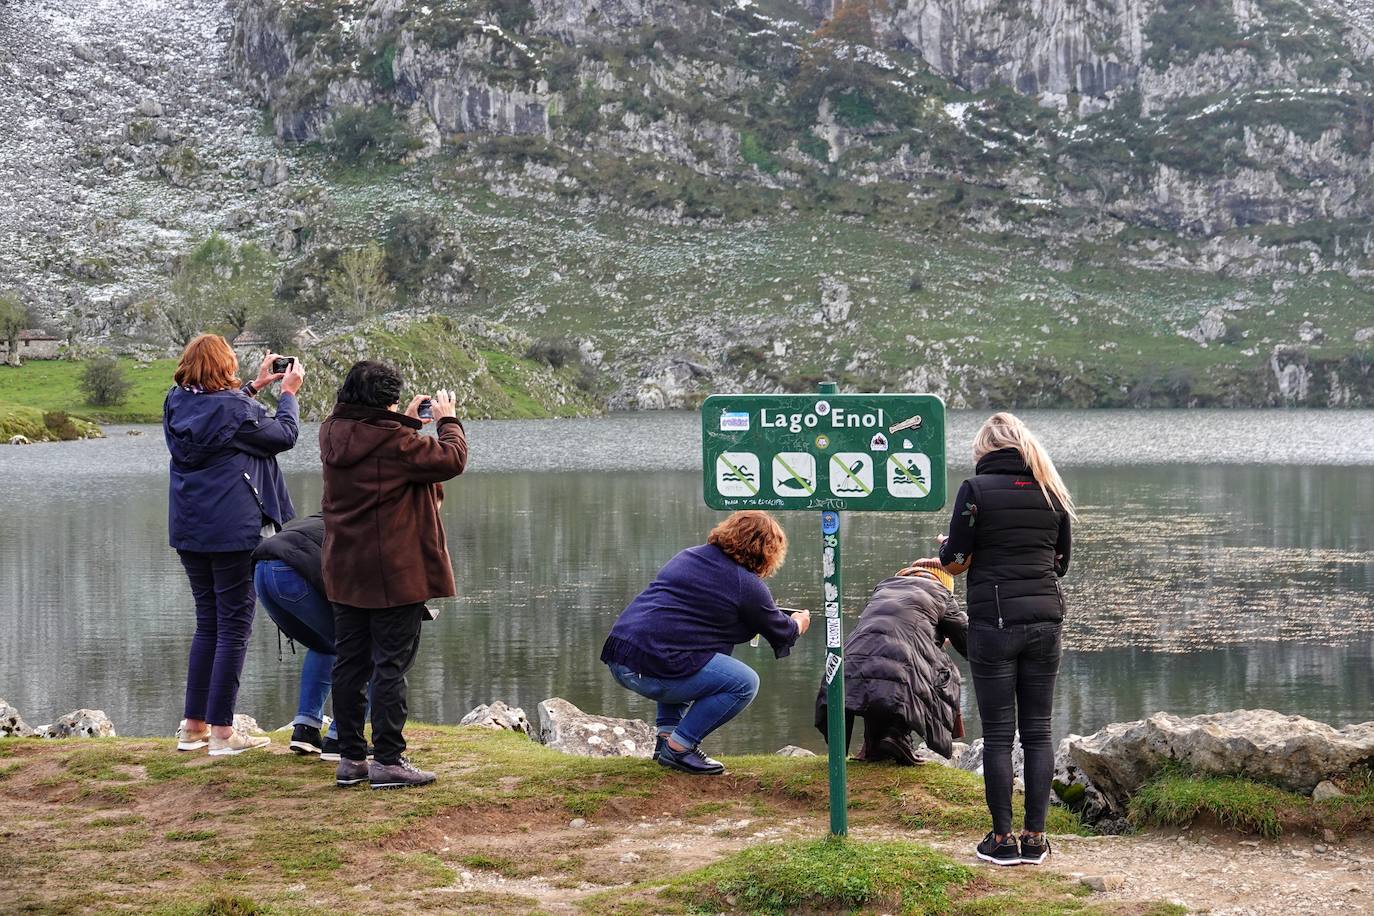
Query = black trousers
x=376 y=645
x=1014 y=670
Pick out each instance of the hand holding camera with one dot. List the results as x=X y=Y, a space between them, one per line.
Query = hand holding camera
x=803 y=619
x=295 y=376
x=444 y=404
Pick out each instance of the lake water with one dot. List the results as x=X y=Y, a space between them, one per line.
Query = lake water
x=1224 y=560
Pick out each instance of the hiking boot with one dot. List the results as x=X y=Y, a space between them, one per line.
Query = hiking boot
x=691 y=761
x=237 y=743
x=305 y=739
x=1006 y=852
x=399 y=775
x=191 y=742
x=329 y=750
x=350 y=773
x=1035 y=848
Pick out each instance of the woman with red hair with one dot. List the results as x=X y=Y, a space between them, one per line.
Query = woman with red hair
x=226 y=492
x=673 y=643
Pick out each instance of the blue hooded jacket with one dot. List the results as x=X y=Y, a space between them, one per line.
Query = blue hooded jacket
x=225 y=482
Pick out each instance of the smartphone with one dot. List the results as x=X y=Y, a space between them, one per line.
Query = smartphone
x=426 y=409
x=282 y=364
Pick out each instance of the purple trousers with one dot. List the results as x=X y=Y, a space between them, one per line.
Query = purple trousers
x=222 y=586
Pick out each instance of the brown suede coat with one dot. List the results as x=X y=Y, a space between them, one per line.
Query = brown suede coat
x=384 y=542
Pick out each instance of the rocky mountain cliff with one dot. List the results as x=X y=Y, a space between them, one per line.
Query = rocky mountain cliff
x=1055 y=202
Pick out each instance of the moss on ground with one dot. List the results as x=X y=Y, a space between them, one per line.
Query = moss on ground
x=38 y=425
x=1176 y=799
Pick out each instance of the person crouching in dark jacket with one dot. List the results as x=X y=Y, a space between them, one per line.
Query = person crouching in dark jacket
x=290 y=583
x=384 y=556
x=897 y=674
x=226 y=491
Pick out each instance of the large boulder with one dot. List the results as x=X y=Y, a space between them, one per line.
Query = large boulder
x=564 y=727
x=1288 y=751
x=12 y=725
x=81 y=723
x=498 y=716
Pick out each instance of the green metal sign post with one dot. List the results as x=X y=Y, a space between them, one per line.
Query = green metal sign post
x=830 y=452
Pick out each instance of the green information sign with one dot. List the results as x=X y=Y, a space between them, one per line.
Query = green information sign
x=829 y=452
x=851 y=452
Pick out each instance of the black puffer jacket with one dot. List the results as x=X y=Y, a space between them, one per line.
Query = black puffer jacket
x=1017 y=540
x=895 y=665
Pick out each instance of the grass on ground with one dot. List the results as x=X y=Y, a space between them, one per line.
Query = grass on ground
x=89 y=824
x=1175 y=799
x=55 y=385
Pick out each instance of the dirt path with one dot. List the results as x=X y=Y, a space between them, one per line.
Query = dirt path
x=1219 y=873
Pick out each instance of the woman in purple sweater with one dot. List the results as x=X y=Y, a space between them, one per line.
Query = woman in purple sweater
x=673 y=643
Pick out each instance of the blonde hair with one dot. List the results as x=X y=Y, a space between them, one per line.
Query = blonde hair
x=753 y=539
x=1005 y=430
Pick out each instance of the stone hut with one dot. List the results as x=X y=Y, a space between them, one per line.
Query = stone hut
x=33 y=344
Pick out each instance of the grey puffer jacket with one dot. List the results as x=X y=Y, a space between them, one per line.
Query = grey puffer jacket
x=895 y=663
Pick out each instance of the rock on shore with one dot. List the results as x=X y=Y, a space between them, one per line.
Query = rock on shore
x=12 y=724
x=564 y=727
x=82 y=723
x=1288 y=751
x=498 y=716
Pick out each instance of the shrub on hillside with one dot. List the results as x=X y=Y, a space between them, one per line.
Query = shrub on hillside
x=361 y=134
x=104 y=383
x=278 y=328
x=554 y=352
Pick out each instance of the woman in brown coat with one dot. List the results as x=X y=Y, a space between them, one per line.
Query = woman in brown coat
x=384 y=556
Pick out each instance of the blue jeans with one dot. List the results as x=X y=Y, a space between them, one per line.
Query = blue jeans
x=717 y=693
x=307 y=617
x=222 y=586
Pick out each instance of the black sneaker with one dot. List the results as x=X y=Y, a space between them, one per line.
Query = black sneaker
x=660 y=743
x=1035 y=848
x=1006 y=852
x=305 y=739
x=691 y=761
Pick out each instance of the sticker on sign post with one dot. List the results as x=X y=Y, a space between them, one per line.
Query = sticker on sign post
x=832 y=664
x=851 y=474
x=908 y=475
x=832 y=632
x=737 y=474
x=794 y=474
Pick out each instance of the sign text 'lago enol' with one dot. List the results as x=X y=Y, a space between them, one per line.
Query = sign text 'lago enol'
x=853 y=452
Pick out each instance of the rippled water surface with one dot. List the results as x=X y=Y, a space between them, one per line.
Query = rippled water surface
x=1224 y=559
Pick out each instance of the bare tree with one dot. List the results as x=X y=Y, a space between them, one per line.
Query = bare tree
x=358 y=285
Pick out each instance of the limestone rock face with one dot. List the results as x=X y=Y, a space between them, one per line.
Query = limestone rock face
x=1288 y=751
x=564 y=727
x=12 y=725
x=81 y=723
x=498 y=716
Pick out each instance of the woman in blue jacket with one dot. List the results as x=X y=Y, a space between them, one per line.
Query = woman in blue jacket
x=673 y=644
x=226 y=490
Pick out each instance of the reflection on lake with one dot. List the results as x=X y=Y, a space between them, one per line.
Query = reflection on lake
x=1195 y=587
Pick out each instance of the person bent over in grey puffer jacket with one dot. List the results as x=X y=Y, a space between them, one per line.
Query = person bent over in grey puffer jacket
x=897 y=673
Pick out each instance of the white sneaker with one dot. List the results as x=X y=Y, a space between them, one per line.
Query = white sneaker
x=190 y=742
x=237 y=743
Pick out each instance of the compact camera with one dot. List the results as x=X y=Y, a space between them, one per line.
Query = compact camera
x=282 y=364
x=426 y=409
